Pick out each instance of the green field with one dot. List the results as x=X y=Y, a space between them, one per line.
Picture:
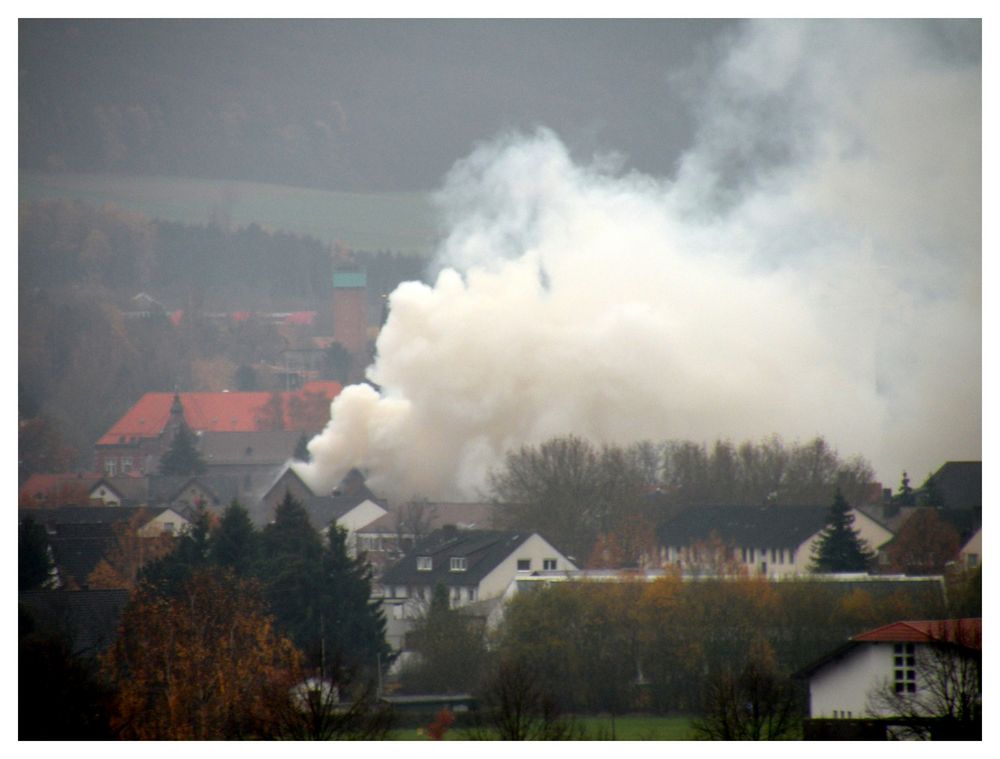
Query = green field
x=401 y=222
x=630 y=728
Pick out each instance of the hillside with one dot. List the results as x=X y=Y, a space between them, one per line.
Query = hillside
x=400 y=222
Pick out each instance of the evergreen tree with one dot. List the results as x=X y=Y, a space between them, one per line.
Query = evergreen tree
x=321 y=596
x=34 y=561
x=235 y=542
x=905 y=496
x=170 y=573
x=354 y=626
x=182 y=458
x=840 y=549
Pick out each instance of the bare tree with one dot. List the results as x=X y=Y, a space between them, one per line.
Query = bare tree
x=944 y=701
x=756 y=704
x=413 y=522
x=516 y=708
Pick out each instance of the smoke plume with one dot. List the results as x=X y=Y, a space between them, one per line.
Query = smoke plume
x=812 y=268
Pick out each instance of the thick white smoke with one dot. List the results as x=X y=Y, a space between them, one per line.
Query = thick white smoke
x=813 y=268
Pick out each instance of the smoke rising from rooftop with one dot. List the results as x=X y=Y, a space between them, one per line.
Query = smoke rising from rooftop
x=812 y=268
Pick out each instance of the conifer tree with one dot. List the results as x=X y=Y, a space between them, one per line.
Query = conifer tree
x=840 y=548
x=182 y=458
x=235 y=542
x=354 y=626
x=321 y=595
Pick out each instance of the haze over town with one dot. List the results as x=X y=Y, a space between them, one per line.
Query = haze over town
x=499 y=380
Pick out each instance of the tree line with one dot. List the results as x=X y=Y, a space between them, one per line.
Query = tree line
x=64 y=243
x=602 y=504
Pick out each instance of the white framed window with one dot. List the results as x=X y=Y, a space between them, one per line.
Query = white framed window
x=472 y=594
x=126 y=464
x=111 y=467
x=524 y=565
x=458 y=564
x=548 y=564
x=904 y=660
x=424 y=564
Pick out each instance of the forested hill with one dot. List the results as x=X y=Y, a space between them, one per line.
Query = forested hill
x=68 y=243
x=402 y=222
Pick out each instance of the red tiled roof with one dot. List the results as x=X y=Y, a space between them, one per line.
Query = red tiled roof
x=968 y=632
x=47 y=485
x=206 y=412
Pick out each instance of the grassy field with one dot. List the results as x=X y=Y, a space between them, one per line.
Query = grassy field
x=630 y=728
x=401 y=222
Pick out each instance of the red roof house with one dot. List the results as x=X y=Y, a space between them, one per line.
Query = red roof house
x=138 y=438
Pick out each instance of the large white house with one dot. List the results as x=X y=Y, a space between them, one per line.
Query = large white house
x=770 y=541
x=473 y=565
x=861 y=678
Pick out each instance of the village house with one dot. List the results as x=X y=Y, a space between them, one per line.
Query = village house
x=914 y=660
x=351 y=505
x=472 y=565
x=389 y=537
x=243 y=438
x=769 y=541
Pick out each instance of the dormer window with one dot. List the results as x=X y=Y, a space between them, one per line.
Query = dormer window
x=424 y=564
x=458 y=564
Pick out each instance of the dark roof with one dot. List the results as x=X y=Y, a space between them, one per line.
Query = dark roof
x=77 y=554
x=222 y=489
x=281 y=482
x=324 y=509
x=88 y=618
x=132 y=490
x=81 y=515
x=272 y=447
x=483 y=550
x=960 y=484
x=756 y=526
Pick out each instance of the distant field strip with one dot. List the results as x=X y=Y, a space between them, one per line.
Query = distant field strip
x=401 y=222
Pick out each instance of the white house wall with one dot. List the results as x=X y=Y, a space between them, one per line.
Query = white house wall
x=971 y=555
x=841 y=688
x=537 y=549
x=159 y=525
x=361 y=515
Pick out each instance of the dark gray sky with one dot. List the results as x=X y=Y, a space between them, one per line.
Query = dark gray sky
x=369 y=105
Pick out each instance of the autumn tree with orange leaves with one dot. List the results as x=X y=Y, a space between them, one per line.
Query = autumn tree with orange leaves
x=924 y=544
x=204 y=664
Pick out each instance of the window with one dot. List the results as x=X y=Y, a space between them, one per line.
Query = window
x=168 y=527
x=126 y=464
x=458 y=564
x=548 y=564
x=472 y=594
x=904 y=661
x=972 y=560
x=111 y=467
x=524 y=565
x=424 y=564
